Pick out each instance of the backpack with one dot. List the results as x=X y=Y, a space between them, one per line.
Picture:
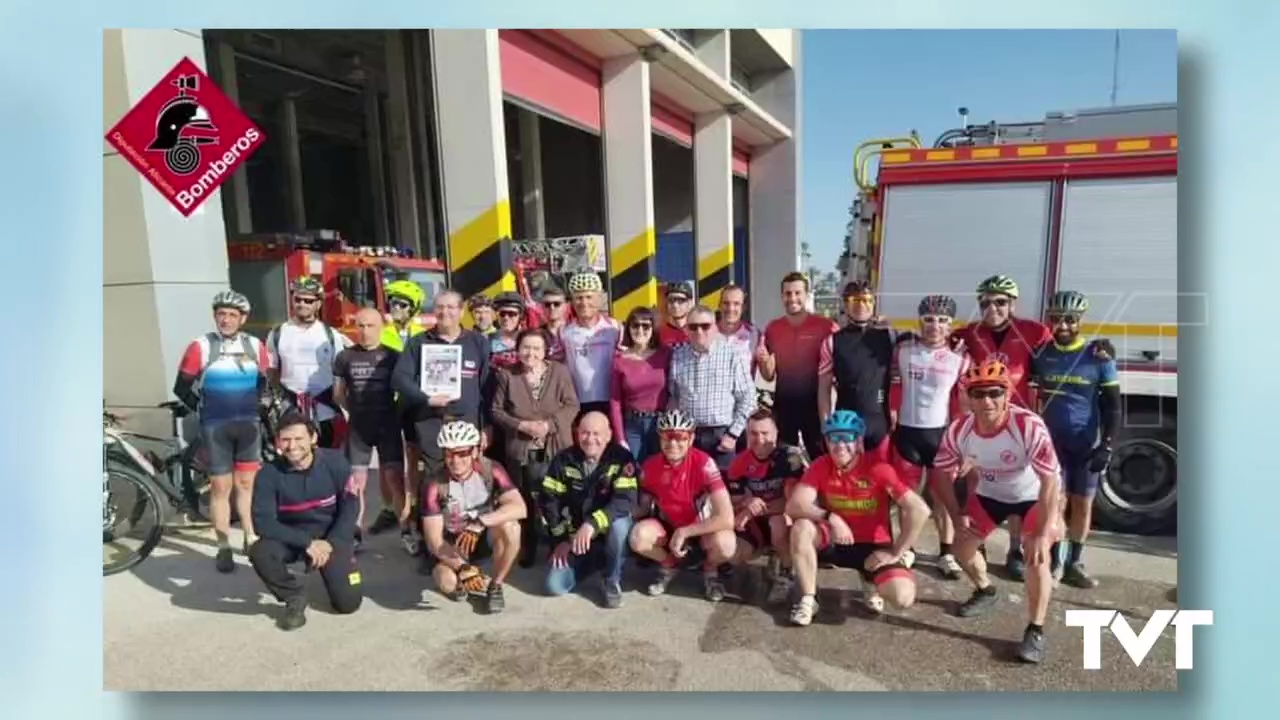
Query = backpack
x=274 y=336
x=215 y=341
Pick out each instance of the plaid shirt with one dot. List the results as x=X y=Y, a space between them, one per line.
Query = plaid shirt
x=712 y=387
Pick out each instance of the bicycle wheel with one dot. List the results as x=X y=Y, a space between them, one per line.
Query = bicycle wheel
x=130 y=498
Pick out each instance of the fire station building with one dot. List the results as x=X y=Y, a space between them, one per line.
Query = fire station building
x=681 y=147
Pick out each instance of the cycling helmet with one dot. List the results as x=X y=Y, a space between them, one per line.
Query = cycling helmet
x=509 y=300
x=231 y=299
x=585 y=282
x=682 y=289
x=479 y=301
x=998 y=285
x=990 y=373
x=1068 y=302
x=844 y=421
x=857 y=288
x=407 y=290
x=674 y=420
x=307 y=285
x=937 y=305
x=458 y=434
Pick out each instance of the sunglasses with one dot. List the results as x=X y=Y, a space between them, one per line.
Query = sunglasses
x=860 y=299
x=305 y=301
x=1068 y=319
x=457 y=453
x=699 y=327
x=842 y=437
x=986 y=393
x=553 y=304
x=400 y=304
x=677 y=435
x=641 y=326
x=998 y=302
x=508 y=313
x=935 y=320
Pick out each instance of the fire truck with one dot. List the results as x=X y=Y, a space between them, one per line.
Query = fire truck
x=1084 y=201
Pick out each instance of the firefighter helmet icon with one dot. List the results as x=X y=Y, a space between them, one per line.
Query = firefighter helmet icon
x=182 y=125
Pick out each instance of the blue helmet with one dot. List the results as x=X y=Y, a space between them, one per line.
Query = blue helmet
x=844 y=421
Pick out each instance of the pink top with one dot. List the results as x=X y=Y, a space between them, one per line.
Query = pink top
x=639 y=385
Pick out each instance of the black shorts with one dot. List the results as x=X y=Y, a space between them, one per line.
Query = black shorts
x=854 y=557
x=234 y=446
x=409 y=429
x=482 y=552
x=694 y=555
x=381 y=432
x=918 y=446
x=757 y=533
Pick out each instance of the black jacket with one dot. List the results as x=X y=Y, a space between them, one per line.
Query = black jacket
x=297 y=506
x=571 y=498
x=475 y=373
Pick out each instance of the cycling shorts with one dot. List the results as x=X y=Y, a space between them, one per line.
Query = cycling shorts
x=1076 y=477
x=988 y=514
x=758 y=533
x=234 y=446
x=381 y=432
x=482 y=552
x=854 y=557
x=917 y=446
x=694 y=556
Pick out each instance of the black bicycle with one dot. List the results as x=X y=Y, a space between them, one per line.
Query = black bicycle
x=144 y=491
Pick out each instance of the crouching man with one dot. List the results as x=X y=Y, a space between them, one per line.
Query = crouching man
x=305 y=508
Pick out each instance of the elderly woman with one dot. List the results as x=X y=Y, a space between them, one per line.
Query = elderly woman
x=639 y=385
x=534 y=404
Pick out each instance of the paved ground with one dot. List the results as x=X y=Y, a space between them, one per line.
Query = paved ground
x=174 y=614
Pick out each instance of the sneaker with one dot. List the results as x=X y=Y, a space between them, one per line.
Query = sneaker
x=385 y=521
x=224 y=561
x=409 y=541
x=612 y=593
x=1016 y=566
x=358 y=539
x=773 y=569
x=979 y=603
x=950 y=568
x=661 y=581
x=1031 y=650
x=1075 y=576
x=781 y=588
x=908 y=558
x=714 y=587
x=803 y=611
x=874 y=602
x=494 y=600
x=249 y=540
x=295 y=614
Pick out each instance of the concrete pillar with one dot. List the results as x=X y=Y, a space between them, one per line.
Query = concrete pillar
x=714 y=52
x=713 y=209
x=473 y=163
x=377 y=168
x=293 y=163
x=773 y=199
x=535 y=221
x=628 y=153
x=160 y=270
x=403 y=183
x=239 y=214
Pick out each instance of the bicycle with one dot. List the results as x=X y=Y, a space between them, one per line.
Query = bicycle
x=170 y=481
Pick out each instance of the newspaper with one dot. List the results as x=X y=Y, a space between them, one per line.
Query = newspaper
x=442 y=371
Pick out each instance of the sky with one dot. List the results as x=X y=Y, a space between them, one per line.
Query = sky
x=864 y=84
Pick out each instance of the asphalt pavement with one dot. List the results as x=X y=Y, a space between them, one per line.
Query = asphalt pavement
x=175 y=623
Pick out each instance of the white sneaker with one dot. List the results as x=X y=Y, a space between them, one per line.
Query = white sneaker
x=909 y=558
x=949 y=567
x=803 y=611
x=410 y=542
x=874 y=602
x=661 y=581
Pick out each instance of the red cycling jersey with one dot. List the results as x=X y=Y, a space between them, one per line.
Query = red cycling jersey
x=860 y=495
x=1015 y=349
x=678 y=489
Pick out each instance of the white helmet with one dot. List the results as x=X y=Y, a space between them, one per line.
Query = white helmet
x=674 y=420
x=231 y=299
x=458 y=434
x=585 y=282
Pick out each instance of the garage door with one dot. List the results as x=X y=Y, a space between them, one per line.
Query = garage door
x=947 y=238
x=546 y=73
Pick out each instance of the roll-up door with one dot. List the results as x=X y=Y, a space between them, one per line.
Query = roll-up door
x=947 y=238
x=1119 y=246
x=550 y=77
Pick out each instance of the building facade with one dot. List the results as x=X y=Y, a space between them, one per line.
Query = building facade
x=681 y=147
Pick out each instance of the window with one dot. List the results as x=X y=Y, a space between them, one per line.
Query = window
x=431 y=281
x=358 y=287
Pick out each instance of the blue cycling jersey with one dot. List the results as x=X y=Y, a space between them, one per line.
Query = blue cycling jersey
x=1070 y=379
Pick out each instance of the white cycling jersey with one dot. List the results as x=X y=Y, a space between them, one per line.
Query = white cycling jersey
x=589 y=355
x=1008 y=462
x=926 y=376
x=305 y=360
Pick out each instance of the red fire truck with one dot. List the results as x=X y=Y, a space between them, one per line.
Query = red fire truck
x=1097 y=215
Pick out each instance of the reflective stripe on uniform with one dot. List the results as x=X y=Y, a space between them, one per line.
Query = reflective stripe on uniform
x=553 y=485
x=601 y=518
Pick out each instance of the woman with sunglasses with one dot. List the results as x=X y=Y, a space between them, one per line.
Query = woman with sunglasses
x=638 y=391
x=1015 y=475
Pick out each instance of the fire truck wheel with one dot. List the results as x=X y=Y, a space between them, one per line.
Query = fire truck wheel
x=1139 y=492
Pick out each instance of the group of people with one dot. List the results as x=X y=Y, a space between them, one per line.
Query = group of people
x=578 y=441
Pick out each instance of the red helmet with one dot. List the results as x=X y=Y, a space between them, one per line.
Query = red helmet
x=990 y=373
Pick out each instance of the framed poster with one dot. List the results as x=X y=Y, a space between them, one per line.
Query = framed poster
x=441 y=371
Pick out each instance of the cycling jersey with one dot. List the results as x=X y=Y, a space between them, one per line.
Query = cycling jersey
x=304 y=356
x=770 y=478
x=367 y=377
x=679 y=490
x=857 y=358
x=502 y=351
x=1071 y=379
x=395 y=337
x=462 y=502
x=1014 y=346
x=745 y=339
x=670 y=336
x=228 y=379
x=861 y=495
x=797 y=349
x=589 y=354
x=1009 y=461
x=924 y=383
